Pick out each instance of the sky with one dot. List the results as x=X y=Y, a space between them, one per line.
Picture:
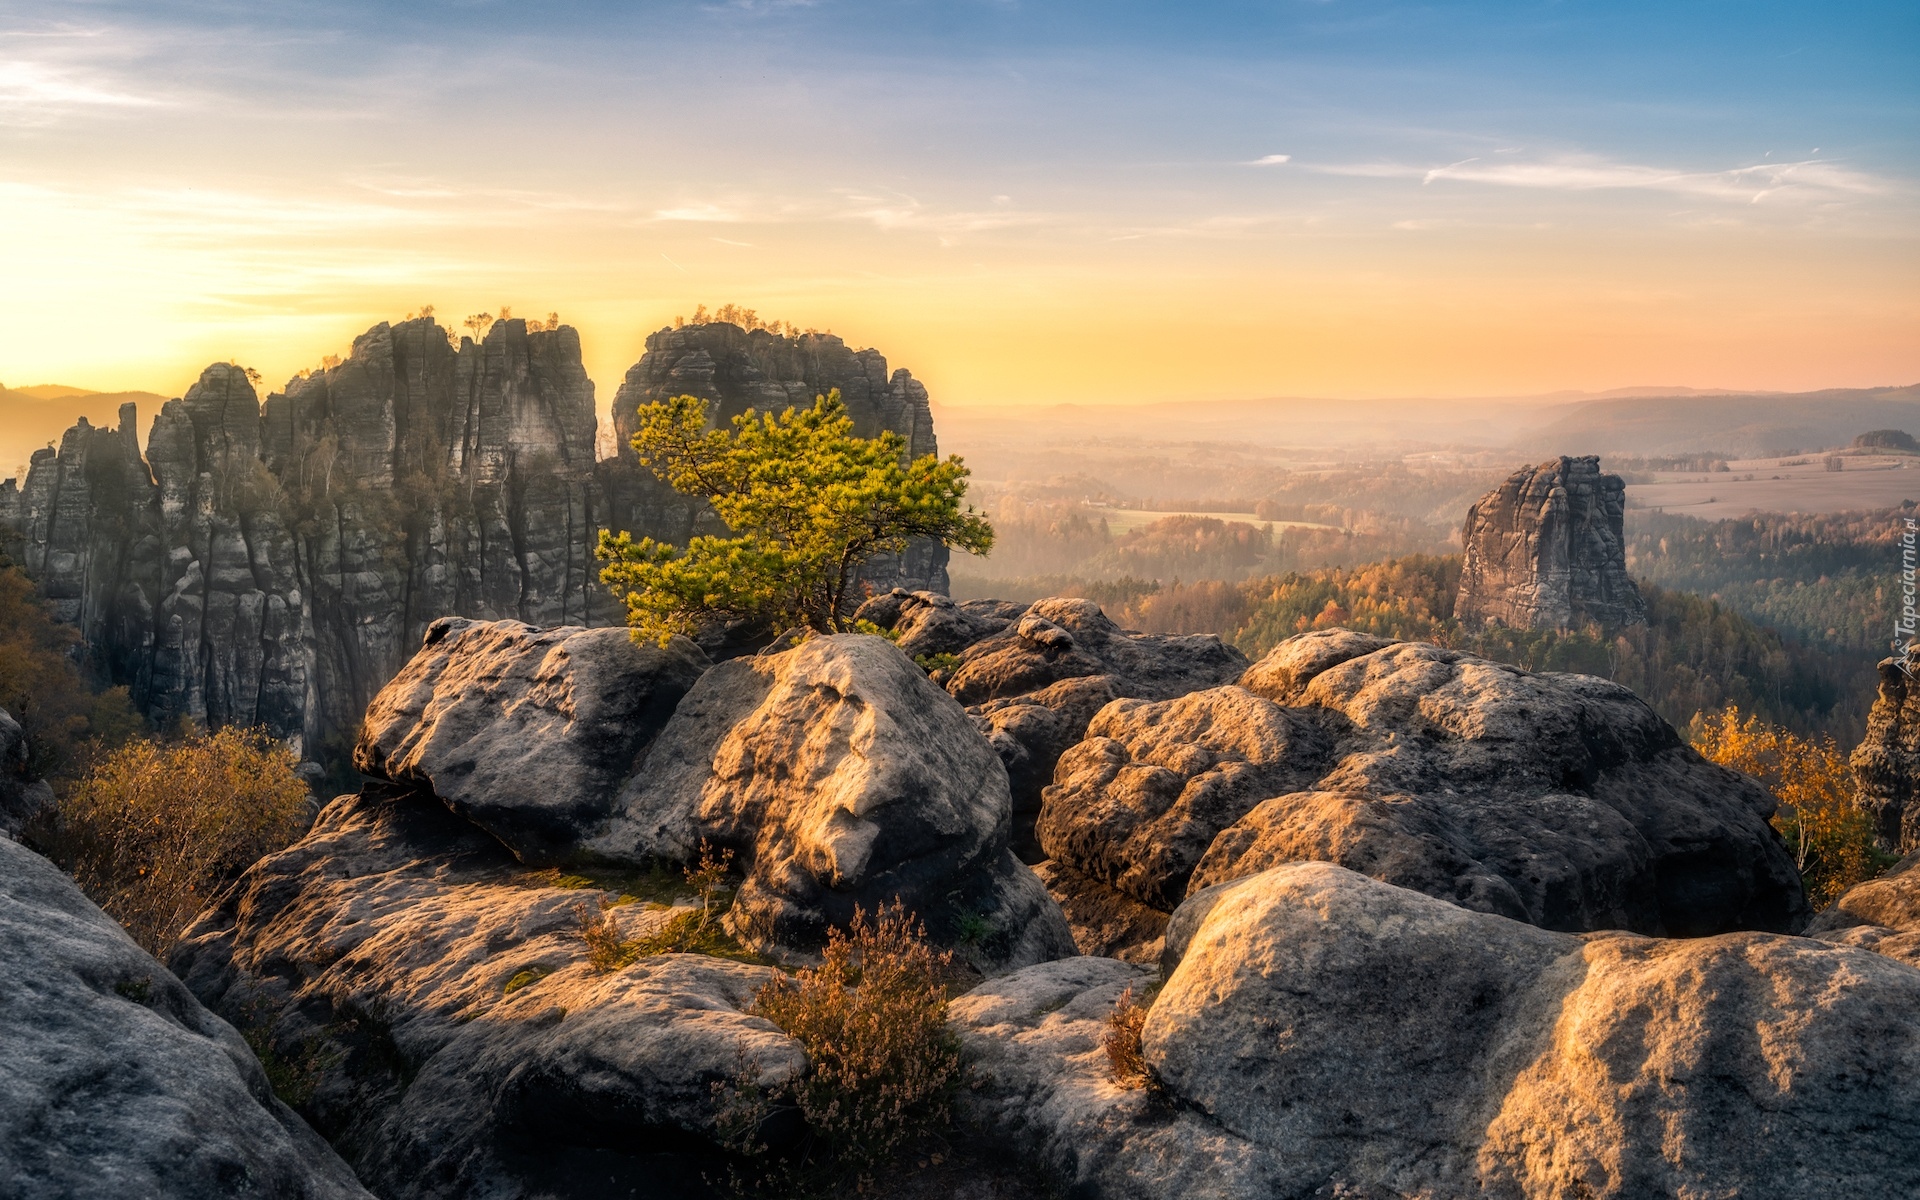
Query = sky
x=1023 y=203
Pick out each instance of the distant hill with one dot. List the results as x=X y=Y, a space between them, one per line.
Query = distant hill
x=1739 y=426
x=31 y=417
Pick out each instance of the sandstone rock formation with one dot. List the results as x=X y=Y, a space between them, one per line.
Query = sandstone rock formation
x=844 y=778
x=839 y=775
x=1881 y=915
x=735 y=370
x=436 y=997
x=1323 y=1034
x=1558 y=800
x=1033 y=676
x=114 y=1079
x=1545 y=550
x=275 y=563
x=1887 y=761
x=528 y=733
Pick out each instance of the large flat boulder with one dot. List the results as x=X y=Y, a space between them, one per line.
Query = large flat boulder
x=437 y=1001
x=1321 y=1034
x=1559 y=800
x=844 y=779
x=528 y=732
x=115 y=1081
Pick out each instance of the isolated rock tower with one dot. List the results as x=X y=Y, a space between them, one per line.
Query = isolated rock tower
x=1545 y=550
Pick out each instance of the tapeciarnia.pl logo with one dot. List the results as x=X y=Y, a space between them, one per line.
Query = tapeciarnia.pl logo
x=1908 y=622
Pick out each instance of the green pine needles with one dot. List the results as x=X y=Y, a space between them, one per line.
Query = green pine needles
x=808 y=504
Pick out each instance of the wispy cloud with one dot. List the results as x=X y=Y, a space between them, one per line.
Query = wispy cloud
x=1811 y=179
x=704 y=211
x=36 y=93
x=901 y=212
x=1268 y=160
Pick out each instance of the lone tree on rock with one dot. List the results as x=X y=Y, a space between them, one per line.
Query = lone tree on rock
x=808 y=504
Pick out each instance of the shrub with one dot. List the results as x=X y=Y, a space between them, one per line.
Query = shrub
x=152 y=830
x=695 y=931
x=1122 y=1041
x=1830 y=836
x=882 y=1063
x=808 y=503
x=606 y=949
x=43 y=688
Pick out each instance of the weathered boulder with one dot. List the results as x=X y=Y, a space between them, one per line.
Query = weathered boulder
x=1033 y=676
x=1881 y=915
x=1143 y=797
x=435 y=1000
x=1560 y=800
x=527 y=732
x=1886 y=763
x=931 y=623
x=1041 y=1081
x=1545 y=550
x=1323 y=1034
x=116 y=1081
x=1068 y=638
x=1032 y=731
x=843 y=778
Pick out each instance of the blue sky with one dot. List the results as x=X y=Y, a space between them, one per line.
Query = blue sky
x=1595 y=180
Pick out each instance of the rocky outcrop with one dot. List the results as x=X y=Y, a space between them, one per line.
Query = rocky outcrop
x=436 y=1000
x=1141 y=800
x=1323 y=1034
x=1065 y=638
x=435 y=990
x=1881 y=915
x=1034 y=676
x=1545 y=550
x=836 y=772
x=529 y=733
x=844 y=779
x=116 y=1081
x=275 y=563
x=1558 y=800
x=734 y=370
x=1886 y=763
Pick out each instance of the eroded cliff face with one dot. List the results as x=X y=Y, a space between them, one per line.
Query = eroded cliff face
x=1544 y=550
x=275 y=563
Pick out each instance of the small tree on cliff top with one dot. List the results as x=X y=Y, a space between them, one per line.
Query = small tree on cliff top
x=808 y=504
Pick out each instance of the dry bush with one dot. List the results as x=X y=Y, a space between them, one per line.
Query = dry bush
x=1122 y=1041
x=154 y=829
x=1830 y=836
x=43 y=688
x=872 y=1018
x=606 y=949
